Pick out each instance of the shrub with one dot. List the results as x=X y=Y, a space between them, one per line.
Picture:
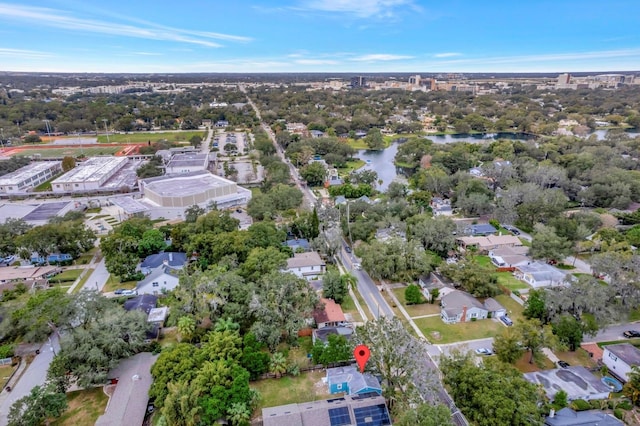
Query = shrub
x=618 y=413
x=6 y=351
x=580 y=405
x=625 y=405
x=413 y=295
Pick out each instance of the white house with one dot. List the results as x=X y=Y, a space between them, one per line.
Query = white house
x=620 y=358
x=307 y=265
x=459 y=306
x=538 y=274
x=161 y=279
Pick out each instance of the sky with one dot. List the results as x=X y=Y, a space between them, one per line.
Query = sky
x=320 y=36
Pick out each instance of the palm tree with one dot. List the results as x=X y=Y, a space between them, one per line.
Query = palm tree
x=186 y=328
x=224 y=324
x=239 y=414
x=349 y=280
x=278 y=364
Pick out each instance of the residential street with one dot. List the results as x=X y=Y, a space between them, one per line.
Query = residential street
x=34 y=375
x=614 y=332
x=98 y=278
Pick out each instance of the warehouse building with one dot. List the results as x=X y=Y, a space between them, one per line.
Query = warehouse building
x=186 y=163
x=169 y=196
x=29 y=176
x=89 y=175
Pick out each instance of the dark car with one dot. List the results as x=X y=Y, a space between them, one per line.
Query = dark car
x=515 y=231
x=347 y=249
x=631 y=334
x=563 y=364
x=506 y=320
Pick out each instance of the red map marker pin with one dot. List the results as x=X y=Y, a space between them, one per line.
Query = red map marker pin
x=361 y=353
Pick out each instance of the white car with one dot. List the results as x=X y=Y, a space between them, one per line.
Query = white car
x=484 y=351
x=129 y=292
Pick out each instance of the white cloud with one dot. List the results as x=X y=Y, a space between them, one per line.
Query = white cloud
x=380 y=57
x=315 y=62
x=61 y=19
x=21 y=53
x=360 y=8
x=446 y=55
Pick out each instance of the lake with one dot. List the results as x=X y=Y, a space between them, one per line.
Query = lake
x=382 y=161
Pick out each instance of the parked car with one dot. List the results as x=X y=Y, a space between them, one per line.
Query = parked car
x=119 y=291
x=506 y=320
x=357 y=266
x=129 y=292
x=484 y=351
x=631 y=334
x=347 y=249
x=563 y=364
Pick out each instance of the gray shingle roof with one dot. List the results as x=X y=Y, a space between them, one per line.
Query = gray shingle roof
x=568 y=417
x=626 y=352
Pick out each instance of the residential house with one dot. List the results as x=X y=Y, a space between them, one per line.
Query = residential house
x=496 y=310
x=317 y=134
x=322 y=334
x=441 y=206
x=175 y=260
x=158 y=315
x=350 y=381
x=568 y=417
x=27 y=274
x=298 y=244
x=509 y=257
x=330 y=315
x=481 y=229
x=620 y=359
x=143 y=302
x=576 y=381
x=539 y=274
x=361 y=410
x=307 y=265
x=459 y=306
x=129 y=401
x=340 y=199
x=159 y=281
x=435 y=281
x=484 y=244
x=386 y=234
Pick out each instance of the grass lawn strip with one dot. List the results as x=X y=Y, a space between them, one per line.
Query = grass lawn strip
x=291 y=389
x=85 y=406
x=153 y=137
x=416 y=310
x=83 y=281
x=514 y=309
x=450 y=333
x=113 y=284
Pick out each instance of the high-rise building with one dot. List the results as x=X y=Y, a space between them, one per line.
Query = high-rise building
x=564 y=78
x=358 y=81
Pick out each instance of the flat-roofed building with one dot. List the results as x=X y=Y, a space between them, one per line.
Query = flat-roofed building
x=170 y=195
x=29 y=176
x=185 y=163
x=89 y=175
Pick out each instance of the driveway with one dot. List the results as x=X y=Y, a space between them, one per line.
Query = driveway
x=466 y=346
x=33 y=376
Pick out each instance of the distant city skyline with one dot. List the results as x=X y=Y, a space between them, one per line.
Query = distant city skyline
x=320 y=36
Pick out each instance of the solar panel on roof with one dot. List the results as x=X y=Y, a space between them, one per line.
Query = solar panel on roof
x=339 y=416
x=375 y=415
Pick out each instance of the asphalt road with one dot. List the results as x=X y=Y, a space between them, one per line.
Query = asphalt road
x=613 y=332
x=34 y=375
x=98 y=278
x=367 y=288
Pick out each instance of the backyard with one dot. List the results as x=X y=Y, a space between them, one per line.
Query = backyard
x=113 y=283
x=416 y=310
x=450 y=333
x=349 y=307
x=578 y=357
x=291 y=389
x=85 y=407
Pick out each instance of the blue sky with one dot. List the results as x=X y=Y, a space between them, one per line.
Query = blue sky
x=320 y=35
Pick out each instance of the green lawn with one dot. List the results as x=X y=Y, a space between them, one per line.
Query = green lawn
x=450 y=333
x=578 y=357
x=66 y=276
x=67 y=151
x=416 y=310
x=153 y=137
x=85 y=407
x=525 y=367
x=484 y=261
x=350 y=167
x=113 y=283
x=509 y=281
x=291 y=389
x=349 y=307
x=83 y=280
x=46 y=186
x=514 y=309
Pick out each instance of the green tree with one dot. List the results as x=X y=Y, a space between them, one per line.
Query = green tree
x=192 y=213
x=186 y=328
x=492 y=393
x=560 y=400
x=68 y=163
x=261 y=261
x=631 y=389
x=424 y=415
x=152 y=242
x=374 y=139
x=42 y=403
x=413 y=295
x=254 y=358
x=569 y=331
x=507 y=346
x=176 y=364
x=535 y=306
x=337 y=349
x=278 y=364
x=548 y=245
x=314 y=173
x=239 y=414
x=182 y=406
x=534 y=336
x=333 y=286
